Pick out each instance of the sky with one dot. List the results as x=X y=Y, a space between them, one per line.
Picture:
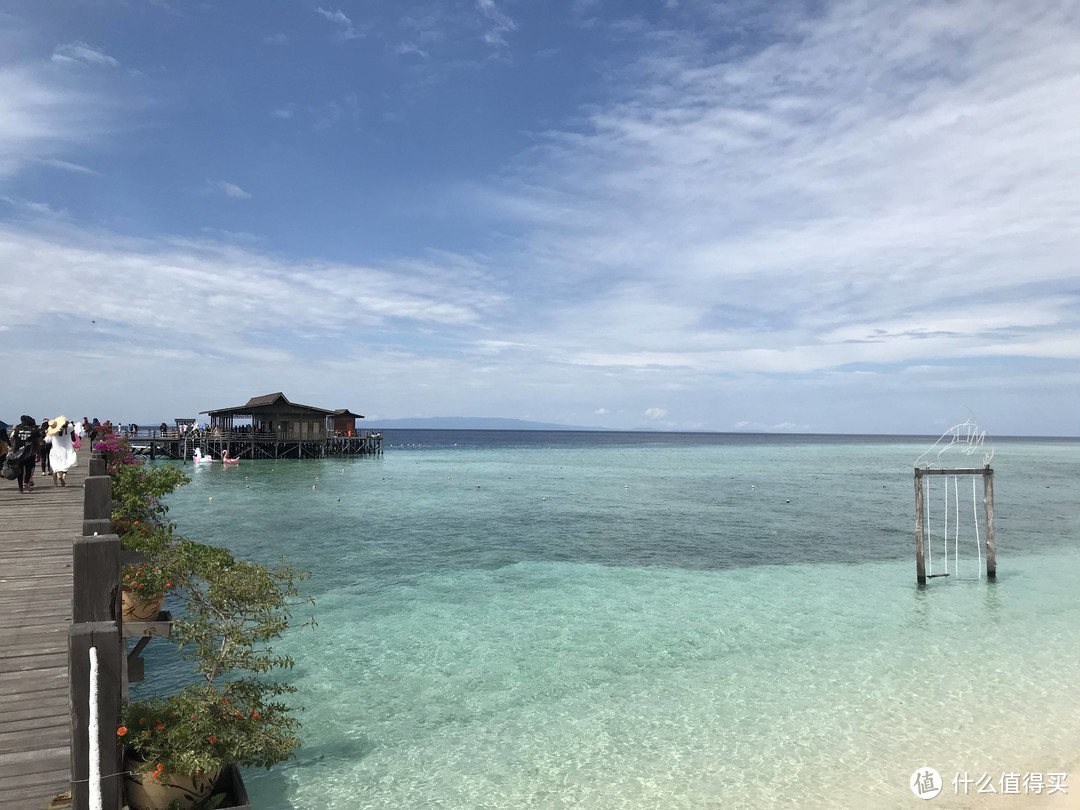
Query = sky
x=827 y=217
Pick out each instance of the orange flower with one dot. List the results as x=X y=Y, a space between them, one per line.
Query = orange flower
x=159 y=727
x=160 y=769
x=213 y=738
x=120 y=732
x=256 y=715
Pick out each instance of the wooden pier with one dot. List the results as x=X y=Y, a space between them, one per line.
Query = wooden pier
x=36 y=536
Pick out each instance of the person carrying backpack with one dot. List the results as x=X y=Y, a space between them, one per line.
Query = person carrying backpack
x=25 y=441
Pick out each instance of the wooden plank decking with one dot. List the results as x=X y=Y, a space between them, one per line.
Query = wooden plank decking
x=36 y=534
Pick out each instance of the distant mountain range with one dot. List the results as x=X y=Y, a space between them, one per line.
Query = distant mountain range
x=467 y=423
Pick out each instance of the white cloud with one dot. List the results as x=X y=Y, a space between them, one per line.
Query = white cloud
x=232 y=190
x=275 y=39
x=334 y=112
x=65 y=165
x=238 y=289
x=335 y=16
x=655 y=413
x=882 y=184
x=409 y=48
x=79 y=53
x=499 y=24
x=338 y=17
x=42 y=118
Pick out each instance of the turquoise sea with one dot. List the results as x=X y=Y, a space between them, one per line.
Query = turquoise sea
x=617 y=620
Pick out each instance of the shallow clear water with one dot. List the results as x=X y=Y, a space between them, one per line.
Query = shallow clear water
x=642 y=620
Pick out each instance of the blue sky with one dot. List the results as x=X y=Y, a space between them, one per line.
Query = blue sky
x=783 y=216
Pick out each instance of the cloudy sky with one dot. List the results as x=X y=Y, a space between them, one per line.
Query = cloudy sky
x=699 y=215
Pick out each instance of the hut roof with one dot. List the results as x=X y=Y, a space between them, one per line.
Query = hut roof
x=264 y=402
x=344 y=412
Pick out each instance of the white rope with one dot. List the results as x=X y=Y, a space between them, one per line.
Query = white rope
x=956 y=527
x=94 y=739
x=975 y=511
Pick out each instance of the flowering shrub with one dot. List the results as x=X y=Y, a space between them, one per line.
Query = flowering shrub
x=138 y=514
x=202 y=729
x=116 y=449
x=146 y=580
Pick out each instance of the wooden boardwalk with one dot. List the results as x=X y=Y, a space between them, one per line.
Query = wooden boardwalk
x=36 y=533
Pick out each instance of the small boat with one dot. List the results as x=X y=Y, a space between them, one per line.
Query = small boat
x=198 y=458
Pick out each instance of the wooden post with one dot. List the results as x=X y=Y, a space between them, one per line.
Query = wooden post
x=920 y=561
x=98 y=465
x=988 y=503
x=95 y=576
x=105 y=636
x=97 y=504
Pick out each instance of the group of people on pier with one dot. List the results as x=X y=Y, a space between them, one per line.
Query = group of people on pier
x=53 y=444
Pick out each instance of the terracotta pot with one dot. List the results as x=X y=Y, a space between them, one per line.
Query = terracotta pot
x=144 y=792
x=141 y=610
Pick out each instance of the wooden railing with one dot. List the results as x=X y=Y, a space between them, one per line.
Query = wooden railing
x=214 y=434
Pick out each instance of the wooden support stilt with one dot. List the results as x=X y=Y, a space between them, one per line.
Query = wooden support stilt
x=988 y=503
x=920 y=559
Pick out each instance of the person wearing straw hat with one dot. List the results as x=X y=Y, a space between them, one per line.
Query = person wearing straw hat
x=62 y=455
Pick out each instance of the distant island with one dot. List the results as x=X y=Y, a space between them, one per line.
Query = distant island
x=467 y=423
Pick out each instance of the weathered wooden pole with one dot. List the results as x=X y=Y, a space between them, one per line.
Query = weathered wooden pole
x=97 y=499
x=920 y=560
x=988 y=503
x=95 y=578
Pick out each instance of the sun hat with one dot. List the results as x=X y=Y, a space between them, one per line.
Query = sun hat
x=56 y=426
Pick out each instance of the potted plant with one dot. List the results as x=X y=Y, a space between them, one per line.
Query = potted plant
x=179 y=744
x=143 y=589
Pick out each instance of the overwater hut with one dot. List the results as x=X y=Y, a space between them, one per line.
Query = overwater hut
x=272 y=414
x=269 y=426
x=343 y=422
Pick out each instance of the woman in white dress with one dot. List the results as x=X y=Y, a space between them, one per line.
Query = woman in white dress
x=62 y=455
